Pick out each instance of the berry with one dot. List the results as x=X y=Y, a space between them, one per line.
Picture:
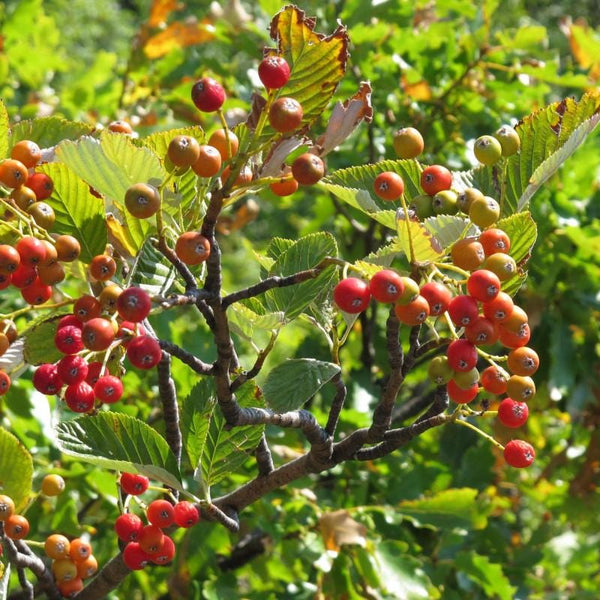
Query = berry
x=520 y=388
x=134 y=484
x=108 y=389
x=192 y=248
x=43 y=214
x=134 y=557
x=53 y=485
x=80 y=397
x=466 y=198
x=23 y=196
x=86 y=567
x=286 y=186
x=4 y=343
x=68 y=340
x=439 y=371
x=308 y=169
x=57 y=546
x=274 y=72
x=80 y=550
x=142 y=200
x=386 y=286
x=226 y=143
x=64 y=570
x=499 y=309
x=414 y=313
x=69 y=320
x=502 y=264
x=134 y=304
x=465 y=380
x=481 y=331
x=150 y=539
x=186 y=514
x=445 y=203
x=352 y=295
x=27 y=152
x=494 y=240
x=462 y=355
x=408 y=142
x=165 y=553
x=102 y=267
x=51 y=274
x=10 y=259
x=72 y=369
x=435 y=178
x=523 y=361
x=36 y=293
x=516 y=320
x=411 y=290
x=108 y=298
x=46 y=379
x=518 y=453
x=244 y=177
x=23 y=277
x=161 y=513
x=509 y=139
x=98 y=334
x=41 y=184
x=95 y=371
x=13 y=173
x=285 y=115
x=208 y=95
x=422 y=206
x=483 y=285
x=512 y=413
x=183 y=151
x=208 y=163
x=16 y=527
x=512 y=339
x=120 y=126
x=467 y=254
x=69 y=589
x=31 y=250
x=128 y=527
x=438 y=297
x=494 y=380
x=4 y=383
x=463 y=310
x=487 y=150
x=484 y=212
x=7 y=507
x=67 y=248
x=86 y=308
x=459 y=395
x=388 y=186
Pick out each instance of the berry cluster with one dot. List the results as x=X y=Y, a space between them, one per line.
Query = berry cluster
x=489 y=149
x=148 y=543
x=86 y=332
x=478 y=313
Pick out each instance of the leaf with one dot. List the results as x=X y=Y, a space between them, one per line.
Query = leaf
x=226 y=450
x=179 y=35
x=447 y=229
x=120 y=442
x=245 y=322
x=489 y=576
x=417 y=243
x=196 y=413
x=4 y=580
x=16 y=470
x=304 y=254
x=39 y=342
x=78 y=212
x=152 y=271
x=3 y=130
x=281 y=388
x=49 y=131
x=446 y=509
x=339 y=528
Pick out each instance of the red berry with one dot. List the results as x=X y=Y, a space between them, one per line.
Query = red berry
x=186 y=514
x=161 y=513
x=438 y=297
x=483 y=285
x=459 y=395
x=499 y=309
x=95 y=371
x=108 y=389
x=46 y=379
x=134 y=304
x=144 y=352
x=414 y=313
x=494 y=240
x=68 y=340
x=16 y=527
x=102 y=267
x=494 y=380
x=386 y=286
x=308 y=169
x=10 y=259
x=36 y=293
x=134 y=557
x=462 y=355
x=285 y=114
x=518 y=453
x=512 y=413
x=165 y=553
x=481 y=332
x=80 y=397
x=435 y=178
x=72 y=369
x=388 y=186
x=69 y=320
x=41 y=184
x=274 y=72
x=151 y=538
x=87 y=307
x=4 y=383
x=98 y=334
x=208 y=95
x=463 y=310
x=24 y=276
x=128 y=527
x=134 y=484
x=512 y=339
x=352 y=295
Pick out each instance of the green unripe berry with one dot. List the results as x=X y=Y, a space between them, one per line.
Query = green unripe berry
x=509 y=140
x=503 y=265
x=484 y=212
x=411 y=291
x=466 y=379
x=422 y=206
x=466 y=198
x=445 y=203
x=487 y=150
x=439 y=370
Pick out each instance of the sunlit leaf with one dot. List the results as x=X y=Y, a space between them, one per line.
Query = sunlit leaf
x=16 y=470
x=179 y=35
x=339 y=528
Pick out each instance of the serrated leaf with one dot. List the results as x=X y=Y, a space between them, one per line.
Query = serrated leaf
x=152 y=271
x=12 y=361
x=39 y=343
x=304 y=254
x=16 y=470
x=281 y=388
x=244 y=321
x=196 y=413
x=78 y=212
x=226 y=450
x=417 y=243
x=489 y=576
x=447 y=229
x=120 y=442
x=159 y=141
x=48 y=131
x=3 y=130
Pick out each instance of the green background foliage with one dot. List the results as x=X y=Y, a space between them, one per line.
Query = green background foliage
x=443 y=518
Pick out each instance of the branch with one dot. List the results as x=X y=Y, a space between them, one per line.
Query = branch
x=168 y=397
x=263 y=456
x=336 y=405
x=187 y=358
x=107 y=579
x=255 y=370
x=227 y=516
x=169 y=254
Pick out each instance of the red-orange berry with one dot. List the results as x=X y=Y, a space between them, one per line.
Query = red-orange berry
x=386 y=286
x=413 y=313
x=28 y=152
x=512 y=413
x=462 y=355
x=161 y=513
x=388 y=186
x=16 y=527
x=438 y=297
x=134 y=484
x=192 y=248
x=523 y=361
x=494 y=380
x=308 y=169
x=128 y=527
x=518 y=453
x=208 y=163
x=352 y=295
x=435 y=178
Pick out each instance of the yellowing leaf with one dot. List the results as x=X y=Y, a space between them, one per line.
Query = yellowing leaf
x=417 y=242
x=119 y=236
x=339 y=528
x=178 y=35
x=160 y=11
x=585 y=46
x=419 y=90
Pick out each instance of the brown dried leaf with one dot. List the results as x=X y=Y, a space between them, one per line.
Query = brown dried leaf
x=339 y=528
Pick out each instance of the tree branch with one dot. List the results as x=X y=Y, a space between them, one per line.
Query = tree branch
x=337 y=404
x=264 y=460
x=187 y=358
x=107 y=579
x=168 y=397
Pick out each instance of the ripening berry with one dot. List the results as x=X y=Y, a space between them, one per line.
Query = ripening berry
x=462 y=355
x=24 y=276
x=87 y=307
x=226 y=143
x=7 y=507
x=186 y=514
x=161 y=513
x=208 y=95
x=499 y=309
x=460 y=396
x=438 y=297
x=80 y=550
x=144 y=352
x=285 y=114
x=134 y=484
x=487 y=149
x=411 y=290
x=439 y=371
x=10 y=259
x=408 y=142
x=435 y=178
x=518 y=453
x=463 y=310
x=192 y=248
x=27 y=152
x=23 y=197
x=102 y=267
x=414 y=313
x=483 y=285
x=386 y=286
x=520 y=388
x=467 y=254
x=142 y=200
x=31 y=250
x=509 y=140
x=445 y=203
x=523 y=361
x=352 y=295
x=494 y=240
x=274 y=72
x=465 y=380
x=514 y=339
x=165 y=553
x=70 y=588
x=95 y=371
x=150 y=539
x=512 y=413
x=481 y=331
x=42 y=214
x=4 y=383
x=46 y=379
x=87 y=567
x=120 y=126
x=183 y=151
x=134 y=557
x=51 y=274
x=484 y=212
x=494 y=380
x=516 y=320
x=98 y=334
x=41 y=184
x=128 y=527
x=36 y=293
x=53 y=485
x=286 y=186
x=388 y=186
x=308 y=169
x=57 y=546
x=67 y=248
x=209 y=161
x=502 y=264
x=422 y=206
x=13 y=173
x=466 y=198
x=16 y=527
x=64 y=570
x=134 y=304
x=108 y=298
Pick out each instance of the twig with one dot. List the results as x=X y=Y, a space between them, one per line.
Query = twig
x=168 y=397
x=264 y=460
x=255 y=370
x=187 y=358
x=227 y=516
x=336 y=405
x=169 y=254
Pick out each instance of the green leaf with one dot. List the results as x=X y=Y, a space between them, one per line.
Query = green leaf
x=292 y=383
x=16 y=470
x=304 y=254
x=152 y=271
x=39 y=342
x=49 y=131
x=446 y=509
x=417 y=243
x=226 y=450
x=78 y=212
x=3 y=131
x=196 y=412
x=159 y=141
x=245 y=322
x=489 y=576
x=117 y=441
x=448 y=229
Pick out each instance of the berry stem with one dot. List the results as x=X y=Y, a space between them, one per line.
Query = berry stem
x=26 y=309
x=454 y=268
x=481 y=433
